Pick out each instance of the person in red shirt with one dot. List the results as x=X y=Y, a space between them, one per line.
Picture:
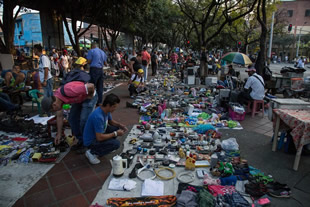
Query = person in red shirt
x=146 y=58
x=174 y=60
x=82 y=97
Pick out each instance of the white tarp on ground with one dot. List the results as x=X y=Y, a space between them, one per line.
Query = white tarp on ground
x=170 y=186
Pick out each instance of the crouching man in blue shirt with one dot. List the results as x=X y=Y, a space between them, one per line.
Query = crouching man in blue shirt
x=101 y=130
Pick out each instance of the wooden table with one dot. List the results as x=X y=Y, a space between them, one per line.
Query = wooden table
x=299 y=121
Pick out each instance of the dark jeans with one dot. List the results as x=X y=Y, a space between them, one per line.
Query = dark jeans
x=133 y=90
x=154 y=68
x=244 y=97
x=78 y=116
x=105 y=147
x=96 y=77
x=5 y=103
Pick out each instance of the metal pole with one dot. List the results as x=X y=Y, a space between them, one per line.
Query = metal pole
x=298 y=43
x=271 y=36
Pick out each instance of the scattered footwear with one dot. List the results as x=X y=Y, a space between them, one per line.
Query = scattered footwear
x=92 y=158
x=130 y=105
x=278 y=190
x=78 y=146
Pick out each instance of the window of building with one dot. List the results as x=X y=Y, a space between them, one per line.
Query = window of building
x=307 y=13
x=289 y=13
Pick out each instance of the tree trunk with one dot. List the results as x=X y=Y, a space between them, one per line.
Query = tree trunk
x=261 y=59
x=8 y=26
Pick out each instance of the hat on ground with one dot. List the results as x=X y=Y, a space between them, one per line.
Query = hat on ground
x=140 y=71
x=81 y=61
x=46 y=104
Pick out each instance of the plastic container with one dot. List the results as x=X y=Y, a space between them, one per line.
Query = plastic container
x=297 y=84
x=236 y=116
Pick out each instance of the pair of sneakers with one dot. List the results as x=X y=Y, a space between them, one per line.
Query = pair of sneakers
x=92 y=158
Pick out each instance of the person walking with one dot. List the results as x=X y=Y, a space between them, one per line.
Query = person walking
x=97 y=59
x=46 y=77
x=154 y=63
x=146 y=58
x=174 y=60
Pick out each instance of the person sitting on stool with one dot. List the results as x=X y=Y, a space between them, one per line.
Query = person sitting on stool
x=256 y=83
x=136 y=83
x=101 y=130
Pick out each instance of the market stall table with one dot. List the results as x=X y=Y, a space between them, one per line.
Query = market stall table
x=286 y=103
x=299 y=121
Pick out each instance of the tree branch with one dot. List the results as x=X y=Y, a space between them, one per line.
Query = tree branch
x=233 y=19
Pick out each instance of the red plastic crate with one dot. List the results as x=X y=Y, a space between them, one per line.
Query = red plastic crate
x=236 y=116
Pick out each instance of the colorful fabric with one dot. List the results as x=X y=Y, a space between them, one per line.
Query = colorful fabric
x=150 y=201
x=299 y=122
x=219 y=189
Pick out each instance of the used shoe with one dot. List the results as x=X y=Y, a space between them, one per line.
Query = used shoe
x=92 y=158
x=78 y=146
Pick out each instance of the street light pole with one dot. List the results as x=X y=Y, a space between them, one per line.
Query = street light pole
x=297 y=51
x=271 y=36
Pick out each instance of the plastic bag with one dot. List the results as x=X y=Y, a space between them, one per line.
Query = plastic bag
x=230 y=144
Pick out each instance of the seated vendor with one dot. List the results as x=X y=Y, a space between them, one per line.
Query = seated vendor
x=231 y=71
x=254 y=88
x=136 y=83
x=14 y=77
x=101 y=130
x=190 y=62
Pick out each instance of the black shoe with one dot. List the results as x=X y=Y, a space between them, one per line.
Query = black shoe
x=129 y=105
x=78 y=146
x=81 y=150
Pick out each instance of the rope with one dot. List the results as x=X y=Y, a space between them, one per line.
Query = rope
x=163 y=177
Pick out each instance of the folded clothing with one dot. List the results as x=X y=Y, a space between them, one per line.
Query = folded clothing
x=187 y=198
x=230 y=180
x=205 y=198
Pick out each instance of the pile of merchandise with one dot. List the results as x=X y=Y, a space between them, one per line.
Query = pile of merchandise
x=178 y=145
x=21 y=140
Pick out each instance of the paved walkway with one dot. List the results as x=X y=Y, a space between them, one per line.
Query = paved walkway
x=74 y=182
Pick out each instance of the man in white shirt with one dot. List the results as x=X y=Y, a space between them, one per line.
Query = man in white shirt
x=301 y=63
x=254 y=88
x=46 y=77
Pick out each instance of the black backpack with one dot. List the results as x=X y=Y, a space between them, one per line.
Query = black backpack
x=74 y=75
x=267 y=74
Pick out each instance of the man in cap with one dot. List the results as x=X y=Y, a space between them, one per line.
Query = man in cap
x=254 y=87
x=83 y=98
x=136 y=83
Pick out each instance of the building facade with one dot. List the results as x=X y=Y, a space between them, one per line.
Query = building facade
x=298 y=14
x=27 y=31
